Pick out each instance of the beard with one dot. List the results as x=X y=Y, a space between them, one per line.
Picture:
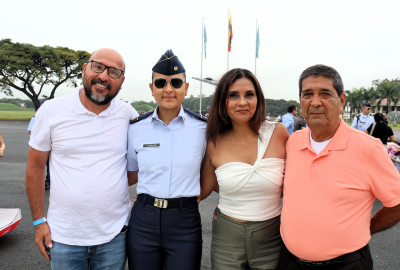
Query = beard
x=98 y=98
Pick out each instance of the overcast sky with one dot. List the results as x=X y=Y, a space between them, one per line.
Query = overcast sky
x=358 y=38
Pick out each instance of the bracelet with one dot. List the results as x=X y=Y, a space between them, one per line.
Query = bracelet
x=39 y=221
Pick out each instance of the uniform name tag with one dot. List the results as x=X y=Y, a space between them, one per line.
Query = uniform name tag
x=151 y=145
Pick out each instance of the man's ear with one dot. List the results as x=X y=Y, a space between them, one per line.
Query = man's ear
x=123 y=79
x=151 y=88
x=342 y=101
x=186 y=88
x=83 y=69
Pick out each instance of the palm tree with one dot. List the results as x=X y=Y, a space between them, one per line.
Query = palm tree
x=389 y=90
x=353 y=100
x=368 y=94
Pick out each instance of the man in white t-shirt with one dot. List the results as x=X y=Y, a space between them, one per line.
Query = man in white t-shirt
x=85 y=135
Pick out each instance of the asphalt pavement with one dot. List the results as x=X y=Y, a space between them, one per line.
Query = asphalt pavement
x=18 y=250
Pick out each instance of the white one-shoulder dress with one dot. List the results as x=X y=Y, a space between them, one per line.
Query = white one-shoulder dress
x=251 y=193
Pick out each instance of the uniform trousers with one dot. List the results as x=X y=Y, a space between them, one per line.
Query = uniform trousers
x=168 y=239
x=289 y=262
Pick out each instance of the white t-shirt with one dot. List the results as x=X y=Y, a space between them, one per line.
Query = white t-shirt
x=89 y=199
x=318 y=146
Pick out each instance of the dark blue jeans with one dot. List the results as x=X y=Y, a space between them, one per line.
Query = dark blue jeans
x=107 y=256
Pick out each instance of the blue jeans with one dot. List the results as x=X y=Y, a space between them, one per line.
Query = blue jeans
x=110 y=256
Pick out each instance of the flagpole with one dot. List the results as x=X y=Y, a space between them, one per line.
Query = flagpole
x=228 y=41
x=255 y=55
x=201 y=70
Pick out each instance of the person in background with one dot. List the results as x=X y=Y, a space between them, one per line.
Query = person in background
x=394 y=154
x=288 y=119
x=380 y=130
x=244 y=161
x=47 y=179
x=2 y=146
x=299 y=123
x=365 y=119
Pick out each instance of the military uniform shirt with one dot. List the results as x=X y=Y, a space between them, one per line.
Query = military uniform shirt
x=168 y=158
x=363 y=123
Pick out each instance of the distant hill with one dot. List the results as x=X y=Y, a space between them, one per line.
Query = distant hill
x=141 y=109
x=12 y=107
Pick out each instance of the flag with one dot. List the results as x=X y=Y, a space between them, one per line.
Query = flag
x=257 y=42
x=230 y=34
x=205 y=41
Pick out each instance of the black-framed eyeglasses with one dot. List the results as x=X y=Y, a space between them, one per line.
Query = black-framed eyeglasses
x=176 y=83
x=112 y=72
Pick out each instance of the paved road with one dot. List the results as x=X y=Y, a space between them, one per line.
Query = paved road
x=18 y=250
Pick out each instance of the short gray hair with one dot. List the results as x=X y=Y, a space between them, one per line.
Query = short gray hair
x=322 y=70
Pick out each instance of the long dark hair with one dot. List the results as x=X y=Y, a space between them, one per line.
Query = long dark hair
x=218 y=120
x=380 y=123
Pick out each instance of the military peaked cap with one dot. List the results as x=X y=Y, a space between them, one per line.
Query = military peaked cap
x=365 y=104
x=169 y=64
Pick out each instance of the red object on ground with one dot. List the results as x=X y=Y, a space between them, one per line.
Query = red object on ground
x=9 y=219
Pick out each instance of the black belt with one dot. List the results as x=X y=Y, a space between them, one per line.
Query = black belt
x=184 y=202
x=335 y=262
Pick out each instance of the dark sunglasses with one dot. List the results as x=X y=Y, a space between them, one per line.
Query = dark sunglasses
x=176 y=83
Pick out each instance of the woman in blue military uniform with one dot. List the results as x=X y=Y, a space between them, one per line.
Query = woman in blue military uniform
x=165 y=151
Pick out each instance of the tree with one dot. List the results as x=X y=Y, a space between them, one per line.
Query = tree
x=353 y=100
x=24 y=67
x=389 y=90
x=395 y=117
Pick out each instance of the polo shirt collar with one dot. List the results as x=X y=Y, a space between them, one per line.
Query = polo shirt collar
x=338 y=141
x=80 y=109
x=181 y=114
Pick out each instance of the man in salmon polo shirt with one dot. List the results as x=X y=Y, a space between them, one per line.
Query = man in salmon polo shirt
x=333 y=175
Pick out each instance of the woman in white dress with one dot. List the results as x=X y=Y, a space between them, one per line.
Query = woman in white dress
x=244 y=162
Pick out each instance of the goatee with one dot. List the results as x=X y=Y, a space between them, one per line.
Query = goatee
x=98 y=98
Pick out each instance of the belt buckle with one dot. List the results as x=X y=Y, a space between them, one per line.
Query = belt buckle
x=160 y=203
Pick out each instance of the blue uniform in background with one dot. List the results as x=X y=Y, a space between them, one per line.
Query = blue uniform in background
x=288 y=121
x=362 y=122
x=165 y=225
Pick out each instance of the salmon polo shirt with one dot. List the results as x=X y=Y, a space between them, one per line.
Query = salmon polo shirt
x=327 y=198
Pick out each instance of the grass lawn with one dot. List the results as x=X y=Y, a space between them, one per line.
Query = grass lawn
x=16 y=115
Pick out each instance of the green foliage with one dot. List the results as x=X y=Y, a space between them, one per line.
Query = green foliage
x=141 y=109
x=277 y=107
x=394 y=116
x=274 y=107
x=25 y=67
x=12 y=107
x=17 y=101
x=389 y=90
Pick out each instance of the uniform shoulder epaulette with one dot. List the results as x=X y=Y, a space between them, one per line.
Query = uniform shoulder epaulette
x=140 y=117
x=196 y=115
x=358 y=115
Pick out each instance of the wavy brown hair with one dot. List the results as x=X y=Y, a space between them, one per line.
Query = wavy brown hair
x=218 y=120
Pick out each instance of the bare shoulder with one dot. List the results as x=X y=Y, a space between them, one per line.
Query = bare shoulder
x=280 y=131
